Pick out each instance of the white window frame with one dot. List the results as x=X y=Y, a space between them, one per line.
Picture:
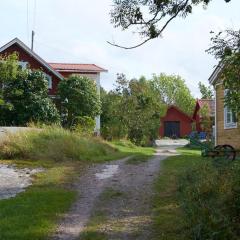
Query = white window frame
x=23 y=64
x=49 y=79
x=228 y=124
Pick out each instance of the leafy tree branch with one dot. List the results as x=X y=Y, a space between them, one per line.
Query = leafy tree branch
x=150 y=17
x=226 y=48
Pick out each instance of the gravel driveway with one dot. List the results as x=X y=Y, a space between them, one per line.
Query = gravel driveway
x=130 y=214
x=171 y=142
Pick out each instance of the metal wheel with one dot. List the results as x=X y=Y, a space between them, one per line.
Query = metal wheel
x=229 y=152
x=217 y=151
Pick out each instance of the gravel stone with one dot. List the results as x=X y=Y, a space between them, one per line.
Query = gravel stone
x=14 y=181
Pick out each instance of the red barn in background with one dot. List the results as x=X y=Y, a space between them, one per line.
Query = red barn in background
x=175 y=123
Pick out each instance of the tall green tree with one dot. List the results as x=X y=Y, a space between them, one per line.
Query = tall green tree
x=79 y=98
x=136 y=108
x=150 y=17
x=226 y=48
x=24 y=95
x=8 y=70
x=172 y=90
x=206 y=91
x=112 y=124
x=142 y=110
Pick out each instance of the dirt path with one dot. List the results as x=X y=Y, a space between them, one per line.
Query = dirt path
x=122 y=192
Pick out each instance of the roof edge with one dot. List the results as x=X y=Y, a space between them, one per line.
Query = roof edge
x=213 y=78
x=33 y=54
x=62 y=70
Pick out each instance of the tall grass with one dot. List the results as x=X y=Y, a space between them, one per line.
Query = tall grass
x=58 y=144
x=168 y=217
x=210 y=198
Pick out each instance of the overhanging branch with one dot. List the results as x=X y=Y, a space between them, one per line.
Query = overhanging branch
x=159 y=32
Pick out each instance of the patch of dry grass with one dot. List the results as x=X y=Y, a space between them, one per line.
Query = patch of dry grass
x=57 y=144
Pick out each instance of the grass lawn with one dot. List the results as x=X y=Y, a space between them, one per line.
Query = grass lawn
x=168 y=218
x=33 y=214
x=139 y=154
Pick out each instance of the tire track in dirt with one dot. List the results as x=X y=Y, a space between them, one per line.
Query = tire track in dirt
x=89 y=187
x=129 y=216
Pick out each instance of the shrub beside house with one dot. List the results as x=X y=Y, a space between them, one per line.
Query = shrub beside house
x=54 y=72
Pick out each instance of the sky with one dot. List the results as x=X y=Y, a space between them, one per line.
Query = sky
x=77 y=31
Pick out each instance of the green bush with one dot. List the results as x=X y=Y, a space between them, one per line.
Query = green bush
x=24 y=97
x=52 y=143
x=84 y=125
x=210 y=197
x=78 y=97
x=132 y=111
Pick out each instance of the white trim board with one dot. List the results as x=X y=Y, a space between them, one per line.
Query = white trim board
x=213 y=78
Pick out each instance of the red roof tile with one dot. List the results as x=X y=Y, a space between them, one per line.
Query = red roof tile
x=69 y=67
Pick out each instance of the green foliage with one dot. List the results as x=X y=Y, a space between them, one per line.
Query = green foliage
x=133 y=109
x=151 y=17
x=8 y=71
x=112 y=126
x=8 y=68
x=231 y=76
x=206 y=91
x=172 y=90
x=79 y=98
x=169 y=223
x=24 y=95
x=225 y=47
x=209 y=195
x=84 y=125
x=206 y=121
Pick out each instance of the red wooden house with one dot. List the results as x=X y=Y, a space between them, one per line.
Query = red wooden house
x=175 y=123
x=54 y=72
